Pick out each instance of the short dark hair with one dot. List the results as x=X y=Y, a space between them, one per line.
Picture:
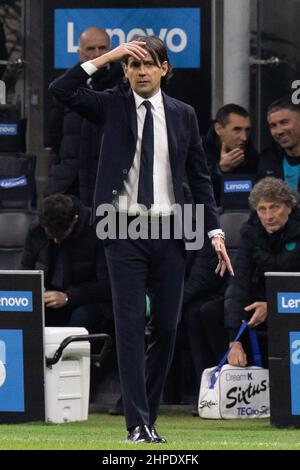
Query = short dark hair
x=57 y=214
x=285 y=102
x=158 y=51
x=222 y=116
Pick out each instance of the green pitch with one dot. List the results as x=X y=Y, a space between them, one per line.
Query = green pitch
x=182 y=431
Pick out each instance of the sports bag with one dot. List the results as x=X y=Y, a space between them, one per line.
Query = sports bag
x=230 y=392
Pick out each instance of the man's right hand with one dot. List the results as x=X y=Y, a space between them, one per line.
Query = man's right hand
x=55 y=299
x=135 y=49
x=229 y=160
x=237 y=355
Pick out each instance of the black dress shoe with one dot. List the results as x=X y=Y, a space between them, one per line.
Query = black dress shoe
x=140 y=434
x=156 y=437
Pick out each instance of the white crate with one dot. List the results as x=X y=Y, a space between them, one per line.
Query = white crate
x=67 y=383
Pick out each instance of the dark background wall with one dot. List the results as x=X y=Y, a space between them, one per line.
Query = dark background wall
x=28 y=25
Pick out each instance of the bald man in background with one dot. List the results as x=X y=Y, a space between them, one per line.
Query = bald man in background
x=73 y=140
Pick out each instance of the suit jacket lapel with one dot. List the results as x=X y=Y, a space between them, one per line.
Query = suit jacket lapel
x=131 y=113
x=172 y=123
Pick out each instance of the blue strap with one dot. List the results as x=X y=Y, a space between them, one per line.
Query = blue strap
x=255 y=351
x=255 y=347
x=224 y=358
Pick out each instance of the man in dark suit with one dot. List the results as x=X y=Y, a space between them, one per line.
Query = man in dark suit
x=143 y=127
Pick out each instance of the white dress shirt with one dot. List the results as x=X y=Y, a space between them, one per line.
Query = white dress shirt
x=162 y=177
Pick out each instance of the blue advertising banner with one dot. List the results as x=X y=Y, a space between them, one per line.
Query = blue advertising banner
x=179 y=28
x=8 y=129
x=183 y=25
x=295 y=371
x=288 y=302
x=21 y=347
x=243 y=186
x=15 y=301
x=283 y=335
x=13 y=182
x=11 y=370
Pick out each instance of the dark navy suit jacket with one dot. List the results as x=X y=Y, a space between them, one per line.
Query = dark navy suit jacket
x=116 y=110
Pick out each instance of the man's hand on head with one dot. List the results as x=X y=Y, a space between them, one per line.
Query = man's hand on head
x=134 y=49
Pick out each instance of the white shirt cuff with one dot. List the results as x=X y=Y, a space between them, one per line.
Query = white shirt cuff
x=212 y=233
x=89 y=68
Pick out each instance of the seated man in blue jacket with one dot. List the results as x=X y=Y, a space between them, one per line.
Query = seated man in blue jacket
x=282 y=158
x=76 y=281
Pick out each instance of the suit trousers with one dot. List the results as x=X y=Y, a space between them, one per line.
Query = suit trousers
x=207 y=335
x=137 y=267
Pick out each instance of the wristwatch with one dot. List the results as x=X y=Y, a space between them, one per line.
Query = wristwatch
x=220 y=234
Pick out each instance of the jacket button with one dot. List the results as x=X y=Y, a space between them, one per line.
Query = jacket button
x=125 y=171
x=114 y=192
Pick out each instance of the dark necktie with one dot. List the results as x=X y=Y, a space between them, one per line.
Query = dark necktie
x=145 y=191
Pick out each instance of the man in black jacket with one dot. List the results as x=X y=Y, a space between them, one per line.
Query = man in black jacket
x=282 y=158
x=66 y=248
x=270 y=241
x=228 y=146
x=75 y=141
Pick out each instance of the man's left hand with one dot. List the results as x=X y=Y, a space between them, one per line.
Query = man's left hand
x=260 y=313
x=55 y=299
x=224 y=260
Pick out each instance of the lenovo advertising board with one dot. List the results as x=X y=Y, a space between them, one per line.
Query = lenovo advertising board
x=21 y=347
x=283 y=297
x=184 y=26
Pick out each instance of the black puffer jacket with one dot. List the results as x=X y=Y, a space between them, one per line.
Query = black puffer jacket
x=86 y=278
x=258 y=253
x=75 y=142
x=212 y=147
